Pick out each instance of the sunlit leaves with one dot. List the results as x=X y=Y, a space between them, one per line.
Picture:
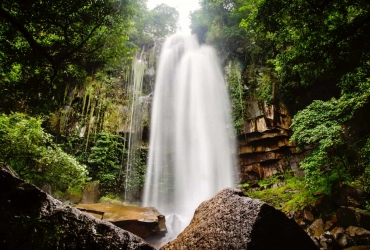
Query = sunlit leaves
x=30 y=151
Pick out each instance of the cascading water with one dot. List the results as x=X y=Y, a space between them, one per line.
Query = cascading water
x=192 y=148
x=135 y=130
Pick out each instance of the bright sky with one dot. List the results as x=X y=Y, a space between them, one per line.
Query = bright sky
x=184 y=7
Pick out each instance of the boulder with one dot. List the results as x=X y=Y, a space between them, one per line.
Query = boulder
x=32 y=219
x=360 y=236
x=349 y=196
x=307 y=214
x=327 y=241
x=349 y=216
x=337 y=232
x=317 y=228
x=142 y=221
x=231 y=220
x=91 y=193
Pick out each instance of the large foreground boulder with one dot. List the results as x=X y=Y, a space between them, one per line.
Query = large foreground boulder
x=142 y=221
x=231 y=220
x=32 y=219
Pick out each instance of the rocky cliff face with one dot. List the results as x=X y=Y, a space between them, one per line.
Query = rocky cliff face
x=264 y=146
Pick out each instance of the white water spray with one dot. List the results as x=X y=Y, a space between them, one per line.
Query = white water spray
x=192 y=148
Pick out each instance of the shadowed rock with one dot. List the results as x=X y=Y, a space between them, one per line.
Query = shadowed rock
x=32 y=219
x=231 y=220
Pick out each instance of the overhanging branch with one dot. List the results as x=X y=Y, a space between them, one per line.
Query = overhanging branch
x=26 y=34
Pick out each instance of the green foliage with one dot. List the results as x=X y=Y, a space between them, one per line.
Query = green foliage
x=317 y=45
x=136 y=179
x=217 y=22
x=112 y=199
x=47 y=45
x=104 y=161
x=151 y=24
x=162 y=21
x=30 y=151
x=336 y=151
x=293 y=195
x=237 y=96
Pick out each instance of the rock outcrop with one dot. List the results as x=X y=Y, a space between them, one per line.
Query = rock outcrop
x=335 y=221
x=265 y=141
x=231 y=220
x=91 y=193
x=349 y=216
x=32 y=219
x=142 y=221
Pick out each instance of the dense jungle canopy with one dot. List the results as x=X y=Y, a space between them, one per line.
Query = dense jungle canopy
x=65 y=81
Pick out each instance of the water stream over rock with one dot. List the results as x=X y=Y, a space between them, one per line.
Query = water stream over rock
x=192 y=145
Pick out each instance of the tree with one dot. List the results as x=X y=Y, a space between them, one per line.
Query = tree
x=162 y=21
x=30 y=151
x=319 y=44
x=48 y=44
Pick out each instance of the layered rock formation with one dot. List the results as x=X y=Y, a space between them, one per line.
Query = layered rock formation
x=142 y=221
x=264 y=142
x=32 y=219
x=231 y=220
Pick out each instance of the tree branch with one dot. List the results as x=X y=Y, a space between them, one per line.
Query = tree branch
x=26 y=34
x=79 y=47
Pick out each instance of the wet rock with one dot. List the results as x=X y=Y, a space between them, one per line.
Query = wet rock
x=91 y=193
x=142 y=221
x=279 y=184
x=47 y=188
x=349 y=196
x=357 y=231
x=344 y=240
x=32 y=219
x=328 y=225
x=325 y=206
x=349 y=216
x=327 y=241
x=359 y=235
x=307 y=214
x=336 y=232
x=231 y=220
x=358 y=248
x=317 y=228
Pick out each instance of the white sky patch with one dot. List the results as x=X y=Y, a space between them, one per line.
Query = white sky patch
x=184 y=7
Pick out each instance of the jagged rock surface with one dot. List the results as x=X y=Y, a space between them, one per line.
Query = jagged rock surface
x=231 y=220
x=32 y=219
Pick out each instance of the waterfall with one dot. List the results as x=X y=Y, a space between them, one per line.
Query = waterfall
x=135 y=130
x=192 y=147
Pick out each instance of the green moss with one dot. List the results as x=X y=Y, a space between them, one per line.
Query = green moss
x=59 y=194
x=112 y=199
x=293 y=195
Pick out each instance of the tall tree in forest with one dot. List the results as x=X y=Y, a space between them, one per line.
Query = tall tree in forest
x=47 y=44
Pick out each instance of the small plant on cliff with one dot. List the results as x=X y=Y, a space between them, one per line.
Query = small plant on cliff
x=237 y=94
